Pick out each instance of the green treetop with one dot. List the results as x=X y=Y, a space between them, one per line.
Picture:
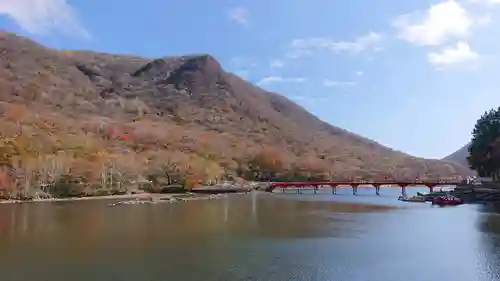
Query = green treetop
x=484 y=150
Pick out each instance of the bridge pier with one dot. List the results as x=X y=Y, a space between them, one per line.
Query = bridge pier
x=354 y=189
x=315 y=189
x=431 y=188
x=377 y=189
x=403 y=190
x=334 y=189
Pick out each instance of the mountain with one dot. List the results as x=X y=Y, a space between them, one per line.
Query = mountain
x=80 y=111
x=459 y=156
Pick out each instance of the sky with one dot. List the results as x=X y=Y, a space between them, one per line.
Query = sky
x=414 y=75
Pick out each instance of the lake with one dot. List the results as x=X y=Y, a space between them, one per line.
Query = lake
x=256 y=236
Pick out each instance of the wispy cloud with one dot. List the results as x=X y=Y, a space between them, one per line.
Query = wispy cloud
x=276 y=64
x=295 y=54
x=279 y=79
x=44 y=16
x=239 y=15
x=332 y=83
x=484 y=20
x=459 y=54
x=305 y=46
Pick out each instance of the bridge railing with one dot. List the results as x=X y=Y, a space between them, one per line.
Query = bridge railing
x=367 y=182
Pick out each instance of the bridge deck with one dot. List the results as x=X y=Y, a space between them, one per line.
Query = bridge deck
x=429 y=184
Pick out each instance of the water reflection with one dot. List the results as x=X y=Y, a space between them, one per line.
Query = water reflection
x=226 y=209
x=489 y=224
x=249 y=237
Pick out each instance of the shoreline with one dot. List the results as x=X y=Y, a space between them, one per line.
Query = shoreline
x=140 y=197
x=71 y=199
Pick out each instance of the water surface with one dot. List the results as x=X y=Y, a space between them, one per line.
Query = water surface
x=251 y=237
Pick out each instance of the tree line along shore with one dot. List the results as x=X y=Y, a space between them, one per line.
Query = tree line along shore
x=86 y=169
x=33 y=167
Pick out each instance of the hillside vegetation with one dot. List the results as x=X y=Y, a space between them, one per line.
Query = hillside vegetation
x=459 y=156
x=92 y=123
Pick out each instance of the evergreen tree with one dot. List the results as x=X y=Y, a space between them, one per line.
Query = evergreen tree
x=483 y=150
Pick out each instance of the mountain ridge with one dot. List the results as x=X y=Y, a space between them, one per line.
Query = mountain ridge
x=186 y=107
x=459 y=156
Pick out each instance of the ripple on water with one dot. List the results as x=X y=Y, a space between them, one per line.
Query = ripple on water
x=251 y=237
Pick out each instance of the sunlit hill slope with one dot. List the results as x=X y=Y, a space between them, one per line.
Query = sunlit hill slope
x=81 y=112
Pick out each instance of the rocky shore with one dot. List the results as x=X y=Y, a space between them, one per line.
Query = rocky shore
x=141 y=198
x=198 y=193
x=484 y=193
x=171 y=198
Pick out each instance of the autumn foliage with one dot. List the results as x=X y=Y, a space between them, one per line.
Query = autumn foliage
x=83 y=123
x=93 y=158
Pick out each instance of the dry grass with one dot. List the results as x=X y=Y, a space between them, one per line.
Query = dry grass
x=109 y=121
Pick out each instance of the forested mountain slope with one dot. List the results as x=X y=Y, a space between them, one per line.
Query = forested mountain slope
x=80 y=112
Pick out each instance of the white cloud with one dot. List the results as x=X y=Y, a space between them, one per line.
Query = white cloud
x=461 y=53
x=279 y=79
x=295 y=54
x=333 y=83
x=43 y=16
x=276 y=64
x=303 y=46
x=440 y=23
x=239 y=15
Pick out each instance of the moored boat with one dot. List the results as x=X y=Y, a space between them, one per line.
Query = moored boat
x=416 y=198
x=447 y=201
x=431 y=195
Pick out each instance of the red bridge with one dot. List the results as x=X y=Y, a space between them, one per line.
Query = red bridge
x=356 y=184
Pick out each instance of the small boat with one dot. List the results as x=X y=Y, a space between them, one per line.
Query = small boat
x=430 y=196
x=412 y=198
x=447 y=201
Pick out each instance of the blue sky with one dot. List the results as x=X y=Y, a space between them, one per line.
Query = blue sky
x=413 y=75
